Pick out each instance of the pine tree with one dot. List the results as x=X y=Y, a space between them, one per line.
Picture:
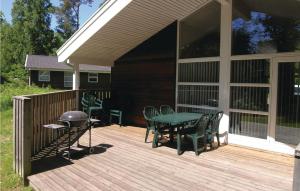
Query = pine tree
x=68 y=16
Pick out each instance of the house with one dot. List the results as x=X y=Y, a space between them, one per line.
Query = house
x=47 y=71
x=187 y=54
x=201 y=52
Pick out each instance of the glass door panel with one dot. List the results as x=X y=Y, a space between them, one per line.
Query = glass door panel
x=288 y=103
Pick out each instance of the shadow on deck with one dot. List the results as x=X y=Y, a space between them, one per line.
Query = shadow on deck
x=122 y=161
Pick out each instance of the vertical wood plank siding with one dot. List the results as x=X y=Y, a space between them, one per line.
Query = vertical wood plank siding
x=146 y=75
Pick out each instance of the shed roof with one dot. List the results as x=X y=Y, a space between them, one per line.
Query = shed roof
x=41 y=62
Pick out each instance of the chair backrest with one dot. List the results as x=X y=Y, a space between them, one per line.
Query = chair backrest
x=166 y=109
x=215 y=121
x=85 y=104
x=149 y=112
x=99 y=103
x=202 y=124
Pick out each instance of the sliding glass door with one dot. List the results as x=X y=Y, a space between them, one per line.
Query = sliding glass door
x=288 y=102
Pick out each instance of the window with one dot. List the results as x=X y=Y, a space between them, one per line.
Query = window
x=68 y=79
x=200 y=33
x=260 y=27
x=44 y=76
x=93 y=78
x=198 y=85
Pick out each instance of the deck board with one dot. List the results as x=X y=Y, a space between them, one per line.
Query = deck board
x=122 y=161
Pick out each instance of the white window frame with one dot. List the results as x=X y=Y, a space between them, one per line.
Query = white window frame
x=44 y=76
x=68 y=79
x=95 y=77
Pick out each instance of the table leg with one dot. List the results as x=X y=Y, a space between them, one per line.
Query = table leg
x=172 y=134
x=155 y=139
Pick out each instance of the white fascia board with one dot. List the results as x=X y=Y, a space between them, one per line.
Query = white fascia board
x=94 y=24
x=26 y=61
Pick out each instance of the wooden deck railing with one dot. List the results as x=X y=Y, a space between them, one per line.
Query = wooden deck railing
x=30 y=113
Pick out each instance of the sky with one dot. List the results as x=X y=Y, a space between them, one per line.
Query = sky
x=85 y=10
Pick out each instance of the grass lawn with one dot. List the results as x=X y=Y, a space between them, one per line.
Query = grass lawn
x=8 y=179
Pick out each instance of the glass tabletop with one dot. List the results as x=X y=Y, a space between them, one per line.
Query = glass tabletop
x=176 y=118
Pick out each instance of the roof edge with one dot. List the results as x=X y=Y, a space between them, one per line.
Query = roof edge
x=62 y=70
x=86 y=31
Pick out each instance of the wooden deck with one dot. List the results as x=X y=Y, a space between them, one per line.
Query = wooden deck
x=122 y=161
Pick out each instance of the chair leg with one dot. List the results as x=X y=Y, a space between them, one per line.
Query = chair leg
x=147 y=133
x=195 y=143
x=205 y=143
x=155 y=140
x=120 y=119
x=178 y=143
x=218 y=138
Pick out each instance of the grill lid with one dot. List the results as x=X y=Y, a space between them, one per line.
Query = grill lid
x=74 y=116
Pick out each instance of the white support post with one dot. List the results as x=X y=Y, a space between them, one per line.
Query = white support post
x=76 y=76
x=225 y=54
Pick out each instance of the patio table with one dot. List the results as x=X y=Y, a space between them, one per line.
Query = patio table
x=174 y=120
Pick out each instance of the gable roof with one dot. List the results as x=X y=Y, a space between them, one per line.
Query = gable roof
x=41 y=62
x=120 y=25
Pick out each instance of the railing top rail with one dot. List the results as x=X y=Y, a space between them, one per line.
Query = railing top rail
x=33 y=95
x=21 y=97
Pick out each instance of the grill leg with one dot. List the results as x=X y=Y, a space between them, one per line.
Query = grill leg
x=77 y=131
x=90 y=139
x=69 y=149
x=56 y=142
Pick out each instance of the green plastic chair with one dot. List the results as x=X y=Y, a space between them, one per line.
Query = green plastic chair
x=213 y=128
x=85 y=104
x=166 y=109
x=149 y=112
x=196 y=132
x=90 y=104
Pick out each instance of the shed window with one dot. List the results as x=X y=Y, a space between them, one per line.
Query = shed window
x=68 y=79
x=93 y=78
x=44 y=76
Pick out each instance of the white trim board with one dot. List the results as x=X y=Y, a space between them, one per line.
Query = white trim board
x=264 y=144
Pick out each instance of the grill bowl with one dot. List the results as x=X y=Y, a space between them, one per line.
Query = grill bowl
x=76 y=118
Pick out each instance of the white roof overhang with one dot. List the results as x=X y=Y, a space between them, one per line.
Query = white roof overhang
x=120 y=25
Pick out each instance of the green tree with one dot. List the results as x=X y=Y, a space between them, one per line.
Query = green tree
x=30 y=33
x=285 y=32
x=32 y=20
x=68 y=16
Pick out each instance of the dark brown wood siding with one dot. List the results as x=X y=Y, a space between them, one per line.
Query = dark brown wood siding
x=57 y=80
x=146 y=76
x=103 y=81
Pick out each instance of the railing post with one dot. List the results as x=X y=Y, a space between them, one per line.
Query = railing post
x=22 y=136
x=296 y=184
x=77 y=99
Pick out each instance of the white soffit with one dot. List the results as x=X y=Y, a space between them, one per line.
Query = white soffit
x=120 y=25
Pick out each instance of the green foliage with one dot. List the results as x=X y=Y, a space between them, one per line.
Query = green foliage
x=65 y=19
x=67 y=15
x=8 y=179
x=8 y=90
x=30 y=33
x=284 y=31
